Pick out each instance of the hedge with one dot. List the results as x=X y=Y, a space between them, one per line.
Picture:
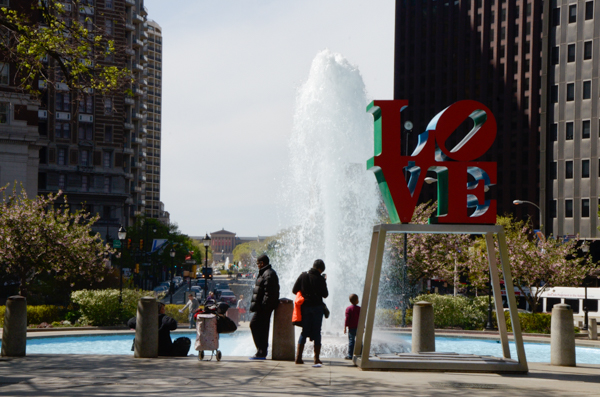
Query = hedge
x=457 y=311
x=537 y=323
x=101 y=307
x=39 y=314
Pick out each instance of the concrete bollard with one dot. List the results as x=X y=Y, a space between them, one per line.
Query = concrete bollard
x=14 y=334
x=283 y=332
x=562 y=336
x=146 y=329
x=593 y=329
x=423 y=330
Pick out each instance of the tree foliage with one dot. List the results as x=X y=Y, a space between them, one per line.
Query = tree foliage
x=80 y=51
x=535 y=265
x=38 y=236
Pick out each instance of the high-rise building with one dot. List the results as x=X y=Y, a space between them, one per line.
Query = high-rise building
x=154 y=207
x=570 y=157
x=485 y=50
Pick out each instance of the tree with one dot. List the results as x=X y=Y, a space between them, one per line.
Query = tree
x=45 y=43
x=536 y=265
x=38 y=236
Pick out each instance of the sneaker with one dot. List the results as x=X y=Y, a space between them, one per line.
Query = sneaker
x=347 y=358
x=255 y=357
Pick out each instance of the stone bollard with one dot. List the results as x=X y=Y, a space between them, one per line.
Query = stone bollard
x=14 y=334
x=146 y=329
x=423 y=330
x=593 y=329
x=283 y=331
x=562 y=336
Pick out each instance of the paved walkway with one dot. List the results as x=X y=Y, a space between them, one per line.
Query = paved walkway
x=73 y=375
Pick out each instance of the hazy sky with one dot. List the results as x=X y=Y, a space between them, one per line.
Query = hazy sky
x=231 y=70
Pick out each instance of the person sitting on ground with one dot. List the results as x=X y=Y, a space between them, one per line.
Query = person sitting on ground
x=192 y=305
x=166 y=324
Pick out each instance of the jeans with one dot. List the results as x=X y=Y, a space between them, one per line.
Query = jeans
x=351 y=340
x=191 y=320
x=312 y=319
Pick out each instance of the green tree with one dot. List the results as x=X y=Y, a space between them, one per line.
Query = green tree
x=44 y=42
x=39 y=236
x=535 y=265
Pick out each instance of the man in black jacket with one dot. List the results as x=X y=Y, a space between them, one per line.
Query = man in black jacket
x=265 y=298
x=313 y=286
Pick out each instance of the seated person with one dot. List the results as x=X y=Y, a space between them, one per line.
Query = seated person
x=166 y=324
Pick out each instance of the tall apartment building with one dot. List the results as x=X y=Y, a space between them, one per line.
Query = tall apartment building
x=154 y=207
x=485 y=50
x=95 y=146
x=570 y=126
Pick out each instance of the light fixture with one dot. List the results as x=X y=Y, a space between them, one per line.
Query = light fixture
x=206 y=240
x=122 y=233
x=172 y=253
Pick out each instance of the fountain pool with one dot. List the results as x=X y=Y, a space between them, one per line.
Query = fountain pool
x=240 y=344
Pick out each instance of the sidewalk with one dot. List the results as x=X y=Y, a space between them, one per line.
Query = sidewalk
x=73 y=375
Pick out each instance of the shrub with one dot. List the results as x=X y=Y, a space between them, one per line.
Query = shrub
x=39 y=314
x=457 y=311
x=173 y=312
x=101 y=307
x=537 y=323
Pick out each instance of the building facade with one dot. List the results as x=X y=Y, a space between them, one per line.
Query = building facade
x=570 y=126
x=103 y=152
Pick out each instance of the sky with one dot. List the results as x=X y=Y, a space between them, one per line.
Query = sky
x=231 y=72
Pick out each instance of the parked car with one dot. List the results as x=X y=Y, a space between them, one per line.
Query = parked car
x=228 y=297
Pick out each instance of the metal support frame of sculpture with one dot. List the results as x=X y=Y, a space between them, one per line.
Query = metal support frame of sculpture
x=441 y=361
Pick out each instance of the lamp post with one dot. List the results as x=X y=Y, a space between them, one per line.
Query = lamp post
x=489 y=326
x=585 y=248
x=206 y=243
x=122 y=234
x=172 y=253
x=542 y=227
x=407 y=126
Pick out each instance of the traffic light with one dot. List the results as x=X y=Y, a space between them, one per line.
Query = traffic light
x=128 y=243
x=141 y=243
x=137 y=267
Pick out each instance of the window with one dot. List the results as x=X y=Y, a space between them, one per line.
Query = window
x=62 y=154
x=63 y=102
x=571 y=53
x=569 y=131
x=570 y=91
x=106 y=160
x=63 y=130
x=553 y=209
x=108 y=27
x=587 y=90
x=556 y=17
x=61 y=181
x=585 y=208
x=568 y=169
x=554 y=132
x=107 y=184
x=555 y=55
x=108 y=133
x=107 y=106
x=4 y=112
x=84 y=158
x=585 y=129
x=84 y=183
x=86 y=131
x=587 y=50
x=86 y=104
x=573 y=13
x=568 y=208
x=109 y=4
x=554 y=94
x=589 y=10
x=4 y=73
x=585 y=168
x=553 y=170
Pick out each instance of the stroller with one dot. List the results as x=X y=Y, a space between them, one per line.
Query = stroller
x=210 y=322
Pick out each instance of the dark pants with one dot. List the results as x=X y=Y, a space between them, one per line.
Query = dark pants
x=259 y=325
x=312 y=319
x=351 y=340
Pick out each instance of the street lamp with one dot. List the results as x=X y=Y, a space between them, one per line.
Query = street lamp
x=542 y=227
x=122 y=234
x=585 y=248
x=408 y=126
x=206 y=243
x=172 y=253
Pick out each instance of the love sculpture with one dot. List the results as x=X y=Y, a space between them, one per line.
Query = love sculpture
x=462 y=184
